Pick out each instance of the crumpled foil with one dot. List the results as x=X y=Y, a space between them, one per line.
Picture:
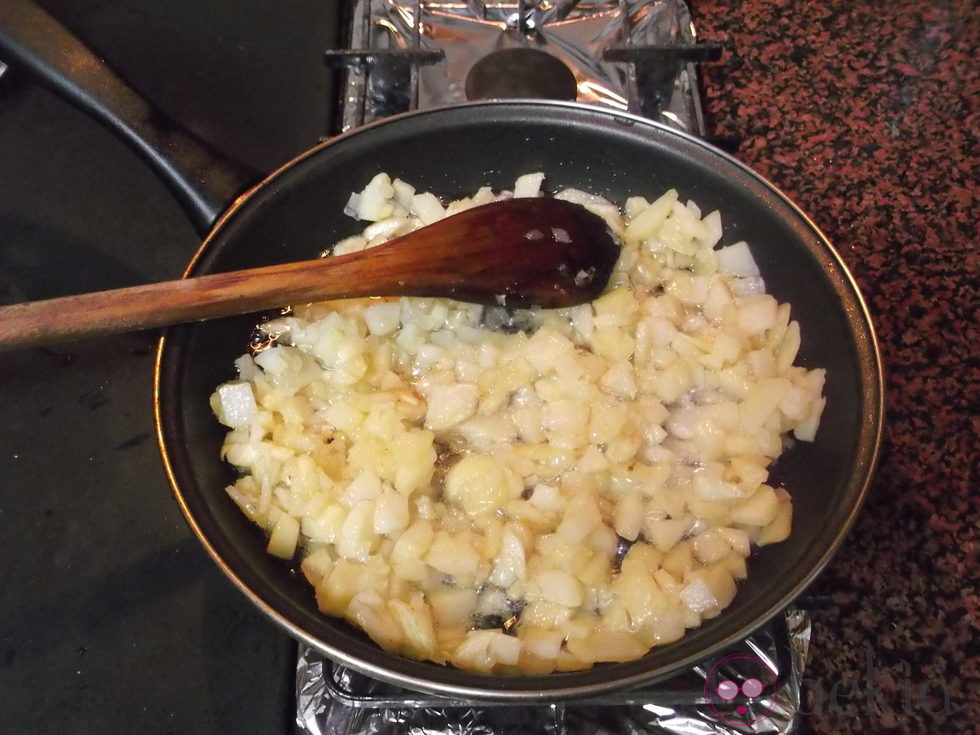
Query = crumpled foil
x=334 y=700
x=577 y=32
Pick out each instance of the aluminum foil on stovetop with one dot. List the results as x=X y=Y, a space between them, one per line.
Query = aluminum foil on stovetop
x=332 y=699
x=577 y=33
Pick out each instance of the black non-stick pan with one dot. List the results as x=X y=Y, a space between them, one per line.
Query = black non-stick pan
x=296 y=212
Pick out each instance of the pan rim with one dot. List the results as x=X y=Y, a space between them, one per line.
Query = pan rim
x=508 y=688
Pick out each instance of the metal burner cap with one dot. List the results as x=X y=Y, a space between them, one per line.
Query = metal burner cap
x=520 y=73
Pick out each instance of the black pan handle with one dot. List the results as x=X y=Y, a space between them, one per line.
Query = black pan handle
x=203 y=181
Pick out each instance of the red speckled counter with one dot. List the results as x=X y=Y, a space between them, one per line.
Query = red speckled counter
x=865 y=114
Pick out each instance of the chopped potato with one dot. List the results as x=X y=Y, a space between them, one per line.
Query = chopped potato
x=464 y=493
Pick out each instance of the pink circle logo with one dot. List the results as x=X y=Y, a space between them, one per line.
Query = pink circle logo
x=740 y=688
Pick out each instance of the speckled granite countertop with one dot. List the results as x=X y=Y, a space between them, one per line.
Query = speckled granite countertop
x=866 y=115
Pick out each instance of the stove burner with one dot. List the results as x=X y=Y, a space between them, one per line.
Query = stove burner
x=520 y=73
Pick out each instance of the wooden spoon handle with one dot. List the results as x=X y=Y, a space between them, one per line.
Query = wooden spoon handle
x=522 y=252
x=193 y=299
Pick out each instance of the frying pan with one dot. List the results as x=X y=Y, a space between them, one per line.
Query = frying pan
x=295 y=212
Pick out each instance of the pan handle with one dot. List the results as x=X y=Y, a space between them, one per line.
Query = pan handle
x=203 y=181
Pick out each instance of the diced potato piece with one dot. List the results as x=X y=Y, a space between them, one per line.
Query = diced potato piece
x=806 y=430
x=403 y=192
x=795 y=405
x=763 y=398
x=482 y=650
x=613 y=343
x=581 y=517
x=415 y=620
x=325 y=525
x=619 y=381
x=629 y=515
x=708 y=591
x=317 y=565
x=390 y=513
x=416 y=461
x=544 y=613
x=383 y=319
x=413 y=543
x=664 y=533
x=749 y=472
x=357 y=534
x=374 y=202
x=560 y=587
x=336 y=589
x=738 y=539
x=412 y=570
x=606 y=421
x=737 y=260
x=668 y=583
x=709 y=487
x=385 y=229
x=788 y=348
x=547 y=349
x=779 y=528
x=596 y=573
x=565 y=423
x=646 y=223
x=640 y=594
x=617 y=307
x=642 y=557
x=371 y=614
x=604 y=540
x=452 y=555
x=448 y=405
x=479 y=484
x=528 y=185
x=366 y=486
x=542 y=642
x=666 y=501
x=505 y=649
x=710 y=547
x=607 y=646
x=712 y=229
x=759 y=509
x=666 y=627
x=234 y=404
x=714 y=512
x=547 y=497
x=672 y=382
x=756 y=314
x=284 y=536
x=680 y=559
x=510 y=564
x=427 y=208
x=452 y=607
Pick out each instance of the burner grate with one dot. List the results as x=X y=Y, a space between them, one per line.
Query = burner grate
x=633 y=55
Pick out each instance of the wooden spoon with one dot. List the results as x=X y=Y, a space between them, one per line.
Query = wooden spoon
x=513 y=253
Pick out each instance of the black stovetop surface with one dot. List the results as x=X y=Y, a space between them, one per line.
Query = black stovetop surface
x=112 y=618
